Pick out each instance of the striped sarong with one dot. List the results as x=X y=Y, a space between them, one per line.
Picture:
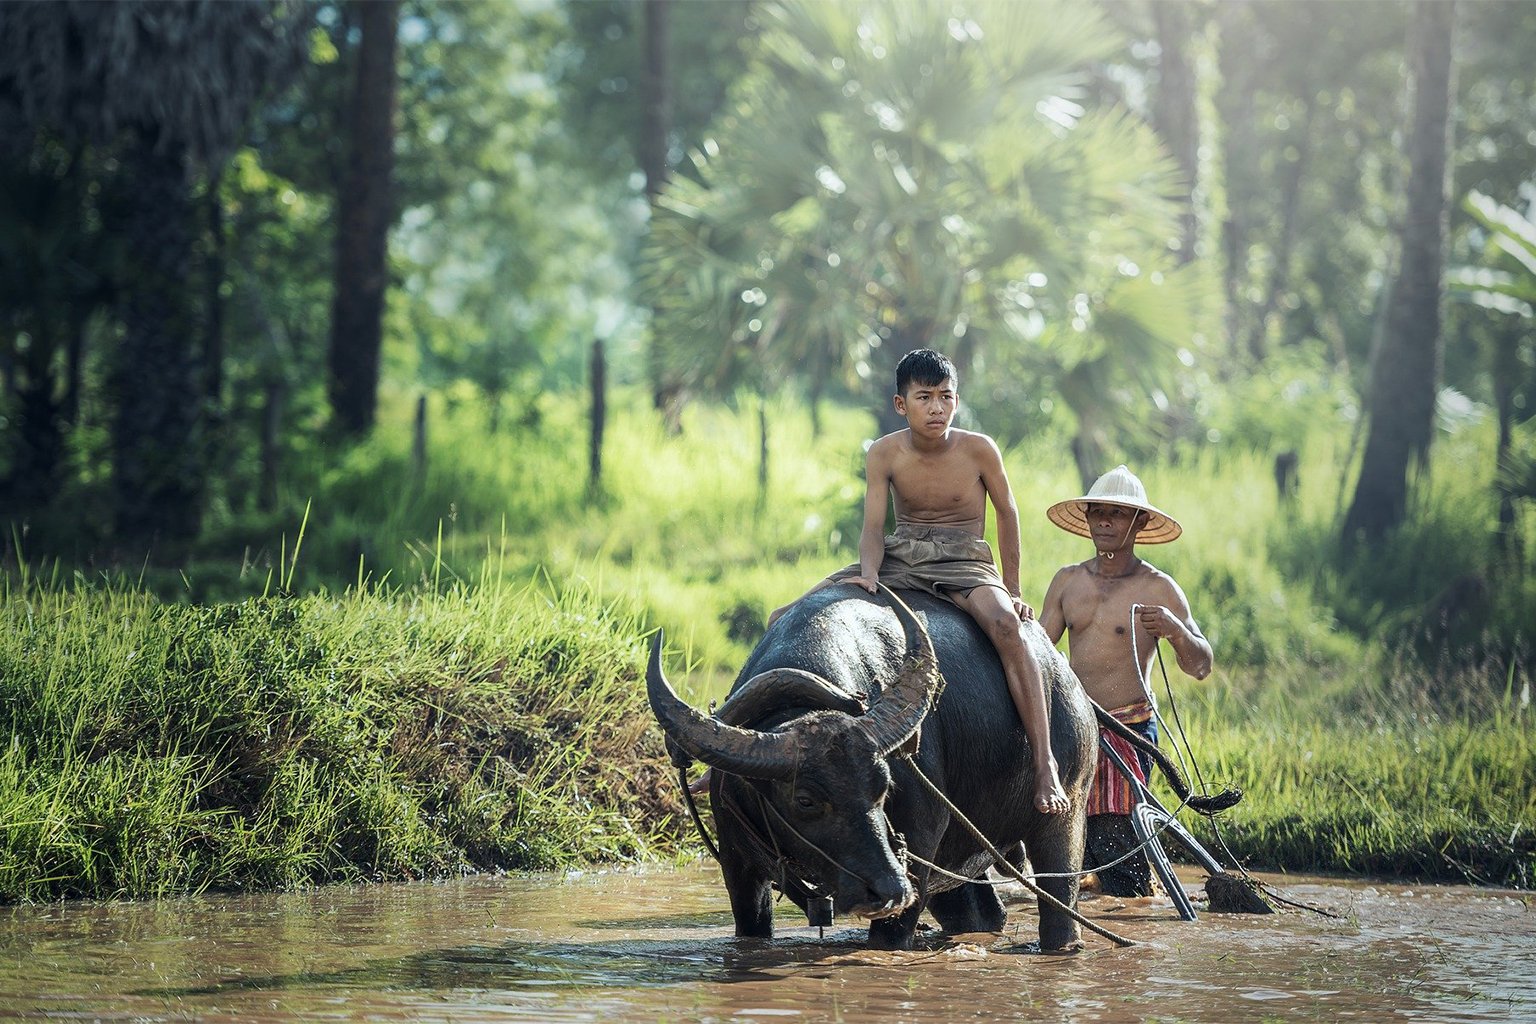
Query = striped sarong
x=1112 y=792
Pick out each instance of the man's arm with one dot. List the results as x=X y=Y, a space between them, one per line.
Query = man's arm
x=1053 y=616
x=995 y=479
x=877 y=498
x=1174 y=622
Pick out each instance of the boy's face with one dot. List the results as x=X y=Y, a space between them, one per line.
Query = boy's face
x=929 y=408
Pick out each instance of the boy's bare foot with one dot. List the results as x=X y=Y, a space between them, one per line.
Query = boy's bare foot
x=1050 y=798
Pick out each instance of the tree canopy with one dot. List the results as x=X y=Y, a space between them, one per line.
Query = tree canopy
x=1149 y=231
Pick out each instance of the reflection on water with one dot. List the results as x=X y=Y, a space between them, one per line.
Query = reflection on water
x=656 y=945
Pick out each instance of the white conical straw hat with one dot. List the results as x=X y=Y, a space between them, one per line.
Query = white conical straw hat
x=1117 y=487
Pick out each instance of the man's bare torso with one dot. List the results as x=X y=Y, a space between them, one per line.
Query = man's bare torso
x=938 y=488
x=1097 y=614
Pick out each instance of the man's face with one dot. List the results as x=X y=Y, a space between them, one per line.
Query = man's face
x=929 y=408
x=1111 y=526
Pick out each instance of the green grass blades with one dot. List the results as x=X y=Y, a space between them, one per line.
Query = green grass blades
x=156 y=749
x=1353 y=777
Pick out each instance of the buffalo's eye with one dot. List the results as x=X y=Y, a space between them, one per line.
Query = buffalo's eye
x=805 y=802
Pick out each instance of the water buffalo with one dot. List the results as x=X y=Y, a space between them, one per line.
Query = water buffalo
x=808 y=798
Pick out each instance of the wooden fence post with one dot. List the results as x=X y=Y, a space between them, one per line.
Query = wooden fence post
x=419 y=444
x=599 y=414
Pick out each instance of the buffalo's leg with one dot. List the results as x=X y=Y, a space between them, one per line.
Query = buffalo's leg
x=1056 y=847
x=751 y=897
x=1110 y=838
x=970 y=908
x=747 y=885
x=751 y=902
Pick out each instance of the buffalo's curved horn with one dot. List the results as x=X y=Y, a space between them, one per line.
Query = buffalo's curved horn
x=746 y=752
x=783 y=689
x=896 y=716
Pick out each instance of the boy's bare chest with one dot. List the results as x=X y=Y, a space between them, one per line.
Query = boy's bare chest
x=947 y=484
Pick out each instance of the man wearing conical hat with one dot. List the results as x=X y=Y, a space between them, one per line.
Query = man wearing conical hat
x=1113 y=609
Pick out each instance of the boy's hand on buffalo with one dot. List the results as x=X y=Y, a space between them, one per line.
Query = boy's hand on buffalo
x=862 y=581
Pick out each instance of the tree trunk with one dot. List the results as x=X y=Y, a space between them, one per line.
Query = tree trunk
x=213 y=285
x=419 y=445
x=1405 y=376
x=818 y=386
x=157 y=471
x=38 y=445
x=74 y=364
x=1290 y=201
x=762 y=450
x=1087 y=456
x=656 y=86
x=1175 y=113
x=364 y=212
x=651 y=152
x=1507 y=376
x=215 y=423
x=1235 y=101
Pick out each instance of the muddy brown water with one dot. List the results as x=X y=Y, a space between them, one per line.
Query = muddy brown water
x=656 y=944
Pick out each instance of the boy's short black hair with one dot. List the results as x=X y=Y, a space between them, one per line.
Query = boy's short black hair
x=925 y=366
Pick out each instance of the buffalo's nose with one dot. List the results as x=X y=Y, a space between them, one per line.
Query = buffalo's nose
x=884 y=899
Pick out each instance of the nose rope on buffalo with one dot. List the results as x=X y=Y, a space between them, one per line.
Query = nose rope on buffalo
x=764 y=805
x=781 y=861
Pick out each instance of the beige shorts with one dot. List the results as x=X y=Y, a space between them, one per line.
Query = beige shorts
x=939 y=560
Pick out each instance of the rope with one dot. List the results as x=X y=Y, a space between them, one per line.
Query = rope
x=693 y=809
x=781 y=862
x=1003 y=865
x=1221 y=841
x=1127 y=855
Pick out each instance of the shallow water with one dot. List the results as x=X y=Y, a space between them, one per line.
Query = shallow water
x=656 y=945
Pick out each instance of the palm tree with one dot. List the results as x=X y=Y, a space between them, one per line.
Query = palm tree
x=167 y=88
x=1505 y=286
x=896 y=175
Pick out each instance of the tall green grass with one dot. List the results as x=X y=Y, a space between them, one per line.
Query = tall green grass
x=155 y=748
x=446 y=677
x=1361 y=777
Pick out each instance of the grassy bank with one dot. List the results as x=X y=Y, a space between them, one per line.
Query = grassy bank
x=448 y=714
x=162 y=748
x=1366 y=776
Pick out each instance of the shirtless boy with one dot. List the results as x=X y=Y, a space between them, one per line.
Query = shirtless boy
x=1101 y=605
x=941 y=478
